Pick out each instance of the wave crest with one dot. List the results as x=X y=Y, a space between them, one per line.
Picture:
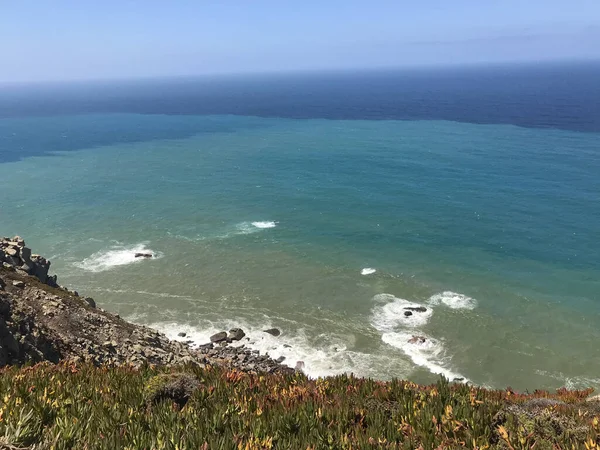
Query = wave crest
x=116 y=255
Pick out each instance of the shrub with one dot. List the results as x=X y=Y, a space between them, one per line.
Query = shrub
x=177 y=387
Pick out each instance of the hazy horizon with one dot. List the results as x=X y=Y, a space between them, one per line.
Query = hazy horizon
x=114 y=40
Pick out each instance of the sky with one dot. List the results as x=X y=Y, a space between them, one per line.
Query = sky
x=53 y=40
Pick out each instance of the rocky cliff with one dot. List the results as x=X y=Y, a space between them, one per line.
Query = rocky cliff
x=39 y=320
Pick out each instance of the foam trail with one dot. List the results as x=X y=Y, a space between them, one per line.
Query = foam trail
x=116 y=255
x=453 y=300
x=427 y=353
x=250 y=228
x=367 y=271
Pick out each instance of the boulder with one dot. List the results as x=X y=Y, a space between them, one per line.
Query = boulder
x=236 y=334
x=273 y=332
x=407 y=314
x=182 y=334
x=18 y=284
x=143 y=255
x=11 y=251
x=219 y=337
x=415 y=308
x=280 y=359
x=90 y=301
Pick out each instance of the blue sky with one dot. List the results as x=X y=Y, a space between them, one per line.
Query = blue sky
x=90 y=39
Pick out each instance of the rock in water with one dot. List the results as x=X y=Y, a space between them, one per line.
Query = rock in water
x=236 y=334
x=182 y=334
x=415 y=308
x=90 y=301
x=143 y=255
x=417 y=340
x=273 y=332
x=219 y=337
x=407 y=313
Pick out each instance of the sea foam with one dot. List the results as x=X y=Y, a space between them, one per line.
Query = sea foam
x=116 y=255
x=367 y=271
x=268 y=224
x=429 y=353
x=453 y=300
x=250 y=228
x=321 y=354
x=402 y=332
x=389 y=313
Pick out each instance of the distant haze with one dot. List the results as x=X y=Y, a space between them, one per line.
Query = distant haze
x=68 y=40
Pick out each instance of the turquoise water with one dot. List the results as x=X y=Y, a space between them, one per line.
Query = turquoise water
x=261 y=222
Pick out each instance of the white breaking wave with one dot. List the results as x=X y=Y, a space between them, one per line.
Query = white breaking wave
x=401 y=330
x=117 y=255
x=423 y=350
x=390 y=313
x=250 y=227
x=453 y=300
x=367 y=271
x=264 y=224
x=324 y=355
x=571 y=382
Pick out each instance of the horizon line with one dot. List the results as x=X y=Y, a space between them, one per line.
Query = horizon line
x=306 y=71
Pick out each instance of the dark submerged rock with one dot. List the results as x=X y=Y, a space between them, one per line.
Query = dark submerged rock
x=273 y=331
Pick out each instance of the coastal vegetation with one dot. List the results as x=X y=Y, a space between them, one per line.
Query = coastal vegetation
x=82 y=406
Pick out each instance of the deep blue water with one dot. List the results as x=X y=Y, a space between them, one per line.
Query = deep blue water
x=548 y=95
x=273 y=193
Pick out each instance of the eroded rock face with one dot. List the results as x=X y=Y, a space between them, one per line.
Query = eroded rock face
x=15 y=255
x=41 y=321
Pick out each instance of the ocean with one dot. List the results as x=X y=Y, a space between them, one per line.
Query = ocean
x=324 y=205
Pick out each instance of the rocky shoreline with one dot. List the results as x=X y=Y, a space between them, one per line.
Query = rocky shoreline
x=42 y=321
